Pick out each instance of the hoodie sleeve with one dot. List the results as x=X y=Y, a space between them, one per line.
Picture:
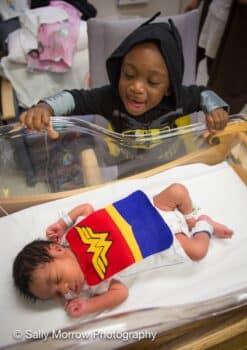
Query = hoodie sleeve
x=191 y=98
x=82 y=102
x=94 y=101
x=199 y=98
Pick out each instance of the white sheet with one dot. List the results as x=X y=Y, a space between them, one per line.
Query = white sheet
x=217 y=189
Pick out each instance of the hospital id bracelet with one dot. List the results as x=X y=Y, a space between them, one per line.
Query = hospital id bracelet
x=67 y=219
x=203 y=226
x=189 y=216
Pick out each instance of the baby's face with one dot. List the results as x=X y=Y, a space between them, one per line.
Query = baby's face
x=58 y=277
x=144 y=79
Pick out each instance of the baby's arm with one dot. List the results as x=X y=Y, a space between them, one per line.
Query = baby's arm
x=115 y=295
x=56 y=231
x=80 y=210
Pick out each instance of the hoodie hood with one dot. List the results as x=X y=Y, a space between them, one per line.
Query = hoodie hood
x=170 y=45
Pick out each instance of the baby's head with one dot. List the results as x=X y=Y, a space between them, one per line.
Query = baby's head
x=47 y=270
x=147 y=67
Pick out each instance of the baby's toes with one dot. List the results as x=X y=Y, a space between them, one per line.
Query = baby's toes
x=228 y=233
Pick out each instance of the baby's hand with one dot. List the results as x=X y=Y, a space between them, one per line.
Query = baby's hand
x=76 y=307
x=217 y=119
x=38 y=118
x=56 y=231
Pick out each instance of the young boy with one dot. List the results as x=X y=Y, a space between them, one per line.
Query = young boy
x=145 y=91
x=108 y=241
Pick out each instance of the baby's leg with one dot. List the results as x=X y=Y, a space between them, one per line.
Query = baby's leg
x=196 y=247
x=219 y=229
x=176 y=196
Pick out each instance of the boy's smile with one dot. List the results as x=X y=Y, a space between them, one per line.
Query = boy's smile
x=144 y=79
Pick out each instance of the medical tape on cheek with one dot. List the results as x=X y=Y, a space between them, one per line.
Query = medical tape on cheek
x=70 y=295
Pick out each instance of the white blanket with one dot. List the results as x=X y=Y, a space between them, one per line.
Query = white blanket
x=216 y=189
x=31 y=87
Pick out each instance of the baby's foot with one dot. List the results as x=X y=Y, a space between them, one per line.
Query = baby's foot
x=220 y=230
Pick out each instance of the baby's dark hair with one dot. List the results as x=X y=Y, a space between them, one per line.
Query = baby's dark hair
x=26 y=262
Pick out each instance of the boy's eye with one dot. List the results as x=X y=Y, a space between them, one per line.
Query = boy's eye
x=153 y=83
x=128 y=75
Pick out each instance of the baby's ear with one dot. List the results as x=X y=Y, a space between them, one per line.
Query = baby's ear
x=56 y=250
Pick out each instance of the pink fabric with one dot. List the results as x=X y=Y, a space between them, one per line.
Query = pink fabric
x=57 y=42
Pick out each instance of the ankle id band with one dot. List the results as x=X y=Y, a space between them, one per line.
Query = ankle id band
x=203 y=226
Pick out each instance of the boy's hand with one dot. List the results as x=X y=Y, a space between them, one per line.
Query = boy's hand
x=76 y=307
x=217 y=119
x=56 y=231
x=38 y=118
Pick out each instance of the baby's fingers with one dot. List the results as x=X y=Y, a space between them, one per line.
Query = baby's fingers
x=75 y=307
x=52 y=237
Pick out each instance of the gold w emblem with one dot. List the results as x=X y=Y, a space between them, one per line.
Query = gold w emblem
x=98 y=245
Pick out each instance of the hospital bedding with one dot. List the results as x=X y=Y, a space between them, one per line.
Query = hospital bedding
x=216 y=189
x=32 y=85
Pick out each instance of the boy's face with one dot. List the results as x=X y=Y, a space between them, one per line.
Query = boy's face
x=58 y=277
x=144 y=79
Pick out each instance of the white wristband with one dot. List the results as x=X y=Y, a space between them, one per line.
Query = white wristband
x=67 y=219
x=189 y=216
